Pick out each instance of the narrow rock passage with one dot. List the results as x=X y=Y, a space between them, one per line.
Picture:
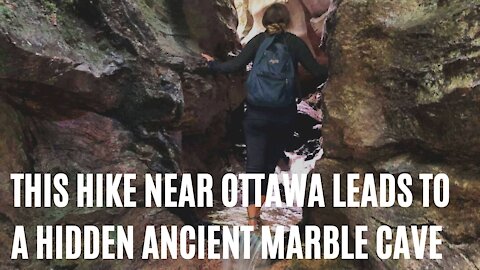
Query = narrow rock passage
x=302 y=161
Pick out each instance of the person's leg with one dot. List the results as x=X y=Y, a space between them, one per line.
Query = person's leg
x=256 y=142
x=278 y=138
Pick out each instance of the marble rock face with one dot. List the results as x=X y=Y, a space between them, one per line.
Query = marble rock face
x=403 y=96
x=108 y=86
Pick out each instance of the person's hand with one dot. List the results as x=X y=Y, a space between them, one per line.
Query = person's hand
x=208 y=57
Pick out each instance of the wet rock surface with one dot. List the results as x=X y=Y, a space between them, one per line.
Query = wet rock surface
x=403 y=97
x=108 y=86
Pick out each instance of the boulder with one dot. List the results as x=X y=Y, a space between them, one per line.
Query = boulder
x=403 y=97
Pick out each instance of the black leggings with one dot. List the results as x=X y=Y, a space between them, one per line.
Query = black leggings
x=267 y=135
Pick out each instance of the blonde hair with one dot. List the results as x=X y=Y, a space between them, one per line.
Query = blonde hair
x=276 y=28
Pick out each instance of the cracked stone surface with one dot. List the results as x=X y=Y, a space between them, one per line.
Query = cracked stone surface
x=403 y=96
x=109 y=86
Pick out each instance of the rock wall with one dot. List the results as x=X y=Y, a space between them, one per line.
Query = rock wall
x=108 y=86
x=403 y=96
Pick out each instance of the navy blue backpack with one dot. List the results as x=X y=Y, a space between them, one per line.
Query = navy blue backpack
x=271 y=82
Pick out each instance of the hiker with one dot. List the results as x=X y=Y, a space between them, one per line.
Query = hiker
x=272 y=90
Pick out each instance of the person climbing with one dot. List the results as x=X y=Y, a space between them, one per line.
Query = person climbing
x=272 y=90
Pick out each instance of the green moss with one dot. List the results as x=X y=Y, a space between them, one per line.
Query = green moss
x=50 y=6
x=72 y=31
x=53 y=6
x=6 y=12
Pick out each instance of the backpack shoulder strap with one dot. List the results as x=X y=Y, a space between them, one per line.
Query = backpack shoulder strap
x=263 y=47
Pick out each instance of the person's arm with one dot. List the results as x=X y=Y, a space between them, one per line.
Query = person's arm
x=241 y=61
x=308 y=61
